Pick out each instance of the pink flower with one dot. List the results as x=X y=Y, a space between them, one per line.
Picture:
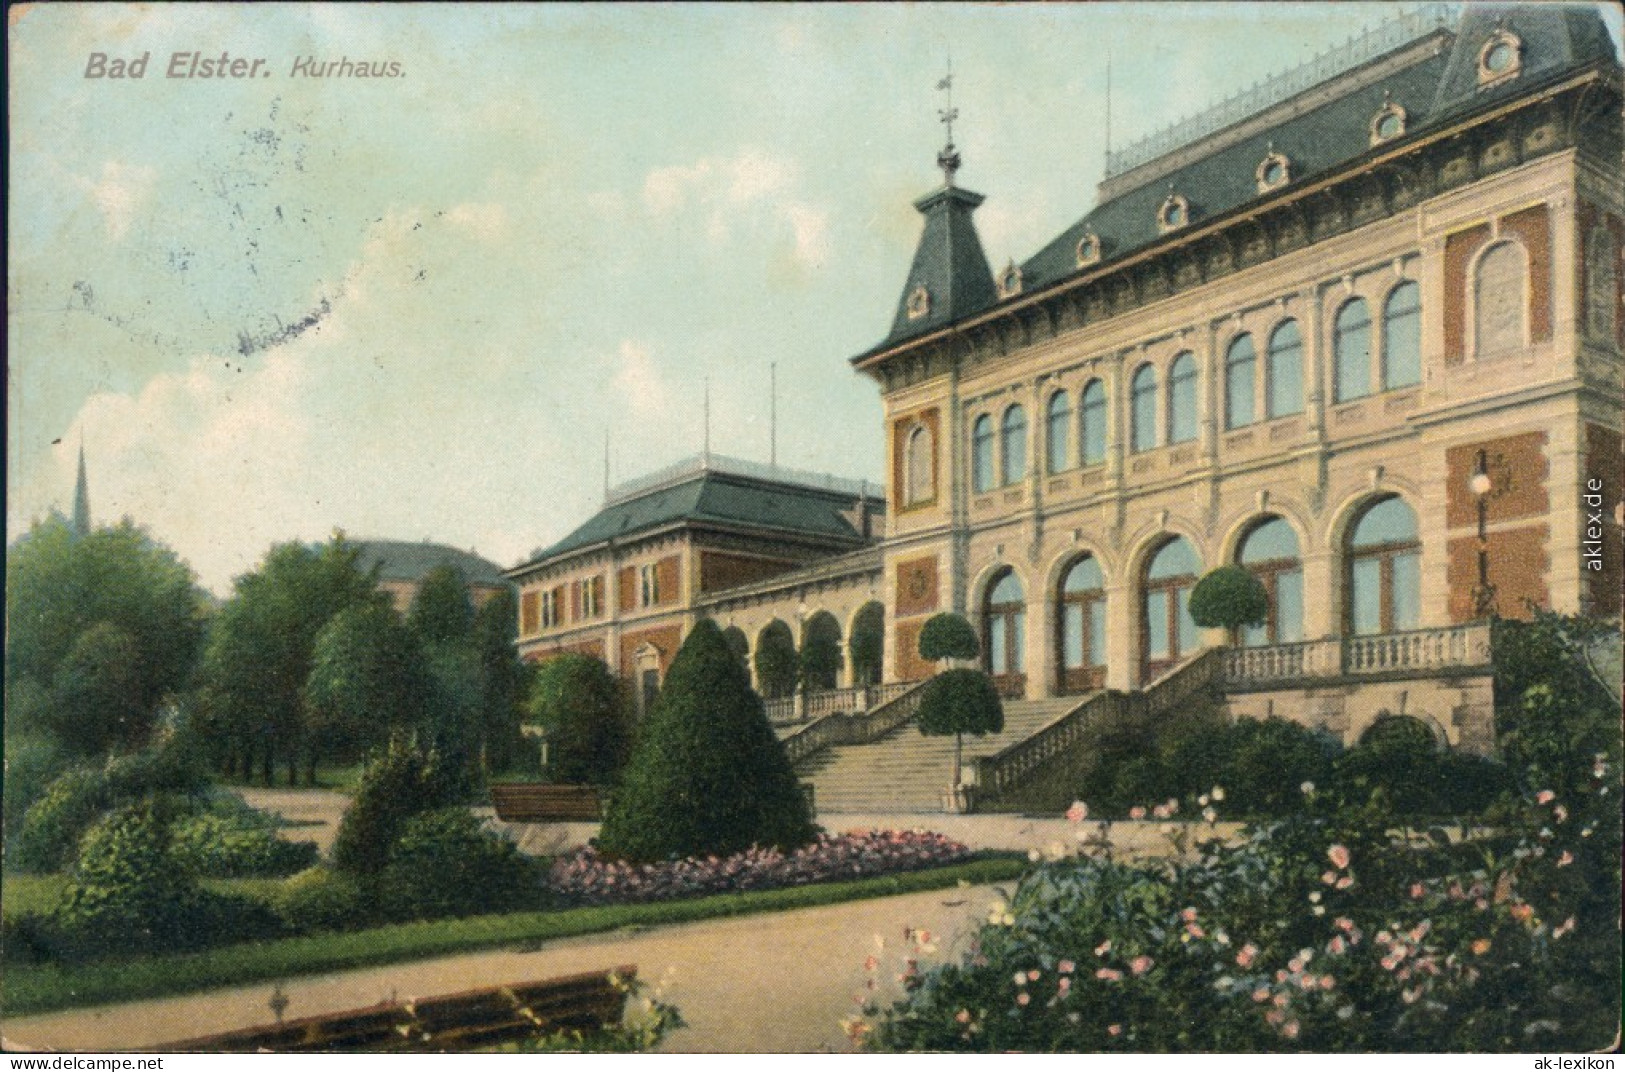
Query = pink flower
x=1022 y=998
x=1103 y=948
x=1327 y=982
x=1114 y=1029
x=1416 y=890
x=870 y=963
x=1345 y=882
x=1344 y=923
x=1328 y=877
x=1339 y=856
x=1566 y=859
x=1136 y=812
x=1140 y=964
x=1246 y=955
x=1560 y=813
x=1545 y=796
x=1194 y=931
x=1063 y=986
x=1281 y=1000
x=1275 y=1016
x=1565 y=927
x=1078 y=812
x=1336 y=946
x=1261 y=995
x=1032 y=975
x=1290 y=1029
x=963 y=1016
x=1066 y=967
x=1188 y=915
x=1111 y=975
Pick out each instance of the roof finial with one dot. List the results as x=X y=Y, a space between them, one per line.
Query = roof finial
x=948 y=159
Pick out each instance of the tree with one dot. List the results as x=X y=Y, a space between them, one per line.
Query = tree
x=776 y=660
x=820 y=660
x=867 y=643
x=441 y=612
x=960 y=702
x=401 y=780
x=1228 y=598
x=504 y=680
x=101 y=629
x=578 y=702
x=262 y=648
x=707 y=775
x=366 y=678
x=948 y=636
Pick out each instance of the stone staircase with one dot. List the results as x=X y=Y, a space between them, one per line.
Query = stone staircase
x=906 y=771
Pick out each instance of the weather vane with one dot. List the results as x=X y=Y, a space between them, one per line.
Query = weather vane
x=948 y=159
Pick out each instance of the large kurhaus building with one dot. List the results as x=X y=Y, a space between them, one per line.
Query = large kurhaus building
x=1362 y=337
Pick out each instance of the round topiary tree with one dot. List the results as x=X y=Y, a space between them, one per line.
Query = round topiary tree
x=707 y=775
x=960 y=702
x=948 y=636
x=1228 y=598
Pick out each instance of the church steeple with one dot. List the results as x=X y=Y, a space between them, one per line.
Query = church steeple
x=950 y=278
x=81 y=497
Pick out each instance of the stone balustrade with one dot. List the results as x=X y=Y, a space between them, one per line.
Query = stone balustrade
x=1418 y=651
x=889 y=706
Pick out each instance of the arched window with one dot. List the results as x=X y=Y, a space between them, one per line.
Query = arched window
x=919 y=468
x=1240 y=365
x=1351 y=352
x=1270 y=553
x=1283 y=371
x=1014 y=445
x=1384 y=569
x=981 y=453
x=1499 y=300
x=1402 y=337
x=1092 y=422
x=867 y=643
x=1143 y=403
x=1168 y=632
x=1601 y=294
x=1005 y=633
x=1082 y=621
x=1055 y=432
x=820 y=658
x=1182 y=398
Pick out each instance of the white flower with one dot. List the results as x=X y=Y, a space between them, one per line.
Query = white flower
x=1218 y=793
x=1307 y=787
x=1210 y=815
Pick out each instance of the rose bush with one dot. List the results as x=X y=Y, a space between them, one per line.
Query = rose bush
x=588 y=878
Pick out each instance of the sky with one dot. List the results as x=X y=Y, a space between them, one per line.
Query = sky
x=414 y=307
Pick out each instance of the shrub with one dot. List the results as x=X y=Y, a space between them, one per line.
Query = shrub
x=1227 y=598
x=48 y=838
x=1271 y=759
x=320 y=899
x=446 y=864
x=579 y=702
x=707 y=775
x=32 y=764
x=948 y=636
x=398 y=782
x=125 y=891
x=230 y=844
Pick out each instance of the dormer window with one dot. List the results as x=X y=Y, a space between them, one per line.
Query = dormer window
x=1010 y=281
x=1500 y=60
x=1088 y=249
x=1274 y=171
x=919 y=302
x=1388 y=123
x=1174 y=213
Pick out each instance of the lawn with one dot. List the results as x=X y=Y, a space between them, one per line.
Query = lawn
x=31 y=988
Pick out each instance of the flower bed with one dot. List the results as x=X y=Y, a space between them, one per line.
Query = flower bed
x=587 y=878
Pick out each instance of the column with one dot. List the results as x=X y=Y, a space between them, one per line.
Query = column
x=1122 y=634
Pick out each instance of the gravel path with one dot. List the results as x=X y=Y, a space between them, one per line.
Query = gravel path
x=776 y=983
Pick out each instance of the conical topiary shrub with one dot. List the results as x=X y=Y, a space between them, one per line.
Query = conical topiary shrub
x=707 y=775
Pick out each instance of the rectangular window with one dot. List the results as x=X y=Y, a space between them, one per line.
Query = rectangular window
x=1407 y=591
x=592 y=597
x=997 y=647
x=530 y=613
x=1366 y=599
x=1072 y=635
x=1288 y=607
x=1097 y=633
x=648 y=585
x=550 y=608
x=1189 y=636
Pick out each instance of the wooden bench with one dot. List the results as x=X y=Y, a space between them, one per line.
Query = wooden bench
x=446 y=1024
x=537 y=802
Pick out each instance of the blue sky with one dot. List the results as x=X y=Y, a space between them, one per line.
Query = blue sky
x=413 y=307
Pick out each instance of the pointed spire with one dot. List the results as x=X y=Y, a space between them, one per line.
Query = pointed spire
x=81 y=496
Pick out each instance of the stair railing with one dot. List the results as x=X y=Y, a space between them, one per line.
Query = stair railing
x=841 y=727
x=1006 y=769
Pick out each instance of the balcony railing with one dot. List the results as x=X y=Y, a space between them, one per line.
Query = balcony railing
x=1420 y=651
x=783 y=710
x=900 y=703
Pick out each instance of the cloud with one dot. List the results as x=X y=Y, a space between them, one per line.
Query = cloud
x=119 y=193
x=638 y=381
x=486 y=221
x=736 y=193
